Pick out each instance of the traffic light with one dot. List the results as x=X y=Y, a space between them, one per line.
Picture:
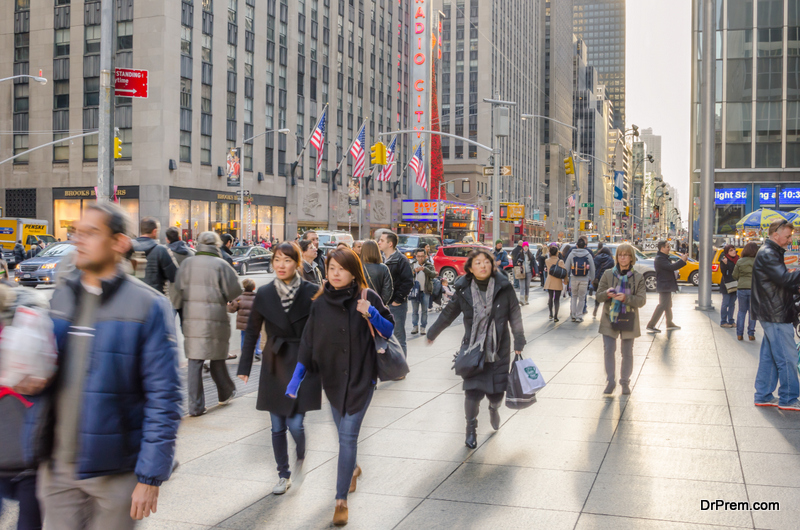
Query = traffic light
x=602 y=211
x=378 y=154
x=569 y=166
x=627 y=210
x=117 y=147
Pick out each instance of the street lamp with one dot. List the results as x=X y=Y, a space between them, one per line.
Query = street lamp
x=38 y=78
x=439 y=202
x=241 y=177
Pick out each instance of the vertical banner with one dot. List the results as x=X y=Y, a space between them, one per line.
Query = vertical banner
x=421 y=53
x=354 y=192
x=619 y=183
x=233 y=168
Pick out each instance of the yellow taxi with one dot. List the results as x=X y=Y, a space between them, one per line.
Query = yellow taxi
x=691 y=271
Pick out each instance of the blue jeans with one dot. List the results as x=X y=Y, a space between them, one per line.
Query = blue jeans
x=280 y=445
x=258 y=344
x=525 y=285
x=348 y=426
x=728 y=306
x=400 y=312
x=777 y=362
x=743 y=295
x=420 y=306
x=24 y=491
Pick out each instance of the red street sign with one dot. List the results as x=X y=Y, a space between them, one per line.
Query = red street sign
x=130 y=83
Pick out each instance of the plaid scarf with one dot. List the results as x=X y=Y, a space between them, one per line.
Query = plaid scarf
x=622 y=287
x=482 y=321
x=287 y=292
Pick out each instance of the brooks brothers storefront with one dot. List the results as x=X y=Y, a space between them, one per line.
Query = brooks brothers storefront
x=192 y=211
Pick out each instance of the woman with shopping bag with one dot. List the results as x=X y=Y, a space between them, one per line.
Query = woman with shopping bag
x=489 y=305
x=622 y=292
x=338 y=345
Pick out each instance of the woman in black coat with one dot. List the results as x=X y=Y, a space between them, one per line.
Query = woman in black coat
x=472 y=298
x=282 y=308
x=338 y=345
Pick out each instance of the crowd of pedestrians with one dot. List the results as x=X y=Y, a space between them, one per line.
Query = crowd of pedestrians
x=90 y=446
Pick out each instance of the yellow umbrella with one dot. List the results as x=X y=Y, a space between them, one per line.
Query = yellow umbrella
x=761 y=218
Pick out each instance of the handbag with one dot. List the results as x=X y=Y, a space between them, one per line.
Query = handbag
x=391 y=361
x=557 y=271
x=524 y=381
x=519 y=274
x=469 y=362
x=626 y=321
x=732 y=286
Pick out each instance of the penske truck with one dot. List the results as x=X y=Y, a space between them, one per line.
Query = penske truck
x=29 y=231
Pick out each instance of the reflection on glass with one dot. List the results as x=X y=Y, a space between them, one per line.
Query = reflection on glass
x=66 y=213
x=278 y=223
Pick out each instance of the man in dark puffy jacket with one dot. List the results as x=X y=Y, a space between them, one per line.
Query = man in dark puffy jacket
x=603 y=261
x=161 y=268
x=178 y=251
x=19 y=253
x=110 y=416
x=773 y=290
x=666 y=284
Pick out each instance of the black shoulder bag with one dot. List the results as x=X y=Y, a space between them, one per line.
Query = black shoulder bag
x=626 y=320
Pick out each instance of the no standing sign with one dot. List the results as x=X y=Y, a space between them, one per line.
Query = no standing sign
x=130 y=83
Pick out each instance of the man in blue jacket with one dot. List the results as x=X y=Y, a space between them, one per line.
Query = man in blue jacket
x=107 y=438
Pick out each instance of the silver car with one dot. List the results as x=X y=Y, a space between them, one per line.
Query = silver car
x=644 y=264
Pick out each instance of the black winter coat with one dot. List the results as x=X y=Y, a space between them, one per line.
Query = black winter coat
x=160 y=268
x=19 y=253
x=284 y=331
x=665 y=273
x=494 y=378
x=402 y=277
x=337 y=345
x=519 y=261
x=773 y=287
x=379 y=280
x=727 y=274
x=603 y=261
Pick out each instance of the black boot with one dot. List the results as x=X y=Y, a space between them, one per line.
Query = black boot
x=494 y=415
x=471 y=408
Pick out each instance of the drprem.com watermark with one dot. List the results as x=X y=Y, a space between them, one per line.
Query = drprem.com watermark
x=720 y=505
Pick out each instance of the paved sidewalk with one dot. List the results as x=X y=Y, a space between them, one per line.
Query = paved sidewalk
x=575 y=460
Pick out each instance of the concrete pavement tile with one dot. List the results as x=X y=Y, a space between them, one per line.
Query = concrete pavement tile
x=154 y=522
x=786 y=517
x=741 y=398
x=687 y=396
x=383 y=475
x=771 y=469
x=418 y=444
x=741 y=384
x=672 y=462
x=576 y=391
x=588 y=521
x=680 y=358
x=540 y=452
x=446 y=515
x=560 y=428
x=380 y=417
x=319 y=437
x=199 y=499
x=191 y=446
x=310 y=508
x=445 y=414
x=684 y=435
x=657 y=368
x=610 y=409
x=753 y=416
x=679 y=382
x=403 y=399
x=418 y=384
x=665 y=499
x=221 y=426
x=676 y=413
x=768 y=440
x=517 y=486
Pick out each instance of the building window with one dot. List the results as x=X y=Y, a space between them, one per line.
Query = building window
x=126 y=135
x=62 y=42
x=206 y=48
x=21 y=100
x=465 y=186
x=91 y=92
x=186 y=41
x=186 y=93
x=248 y=64
x=124 y=35
x=60 y=95
x=205 y=99
x=231 y=105
x=92 y=36
x=61 y=150
x=248 y=157
x=90 y=147
x=231 y=58
x=205 y=150
x=186 y=146
x=248 y=110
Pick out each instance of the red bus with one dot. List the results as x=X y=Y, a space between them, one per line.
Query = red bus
x=462 y=223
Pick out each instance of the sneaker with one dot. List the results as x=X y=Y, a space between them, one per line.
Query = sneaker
x=673 y=327
x=771 y=403
x=555 y=319
x=550 y=317
x=579 y=319
x=227 y=401
x=653 y=330
x=414 y=330
x=196 y=415
x=574 y=319
x=421 y=331
x=626 y=389
x=282 y=486
x=793 y=405
x=258 y=358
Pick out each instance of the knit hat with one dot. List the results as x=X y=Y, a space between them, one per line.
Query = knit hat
x=525 y=244
x=498 y=241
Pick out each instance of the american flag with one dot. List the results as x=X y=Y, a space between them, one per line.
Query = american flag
x=386 y=172
x=571 y=201
x=418 y=165
x=358 y=150
x=318 y=140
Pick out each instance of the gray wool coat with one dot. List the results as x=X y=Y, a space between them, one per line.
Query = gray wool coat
x=636 y=301
x=205 y=284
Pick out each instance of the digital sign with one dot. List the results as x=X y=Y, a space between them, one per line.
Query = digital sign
x=789 y=196
x=730 y=196
x=420 y=210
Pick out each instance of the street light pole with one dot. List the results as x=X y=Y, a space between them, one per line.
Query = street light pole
x=707 y=124
x=105 y=154
x=500 y=130
x=37 y=78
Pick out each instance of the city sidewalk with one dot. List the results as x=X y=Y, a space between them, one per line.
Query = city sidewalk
x=576 y=459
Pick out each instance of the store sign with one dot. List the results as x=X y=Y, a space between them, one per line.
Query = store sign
x=789 y=196
x=729 y=196
x=227 y=197
x=421 y=51
x=420 y=210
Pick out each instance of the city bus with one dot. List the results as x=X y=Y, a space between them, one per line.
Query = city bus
x=462 y=223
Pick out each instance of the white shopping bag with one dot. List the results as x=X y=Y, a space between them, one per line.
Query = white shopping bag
x=27 y=347
x=530 y=378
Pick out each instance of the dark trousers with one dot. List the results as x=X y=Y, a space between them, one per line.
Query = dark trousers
x=348 y=426
x=610 y=353
x=22 y=490
x=553 y=301
x=472 y=402
x=280 y=445
x=664 y=307
x=220 y=376
x=400 y=313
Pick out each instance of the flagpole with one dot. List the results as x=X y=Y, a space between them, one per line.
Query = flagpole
x=300 y=154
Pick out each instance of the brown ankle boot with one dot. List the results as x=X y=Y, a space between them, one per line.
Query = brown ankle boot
x=739 y=337
x=340 y=516
x=356 y=474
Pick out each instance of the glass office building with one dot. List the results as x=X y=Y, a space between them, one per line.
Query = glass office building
x=757 y=108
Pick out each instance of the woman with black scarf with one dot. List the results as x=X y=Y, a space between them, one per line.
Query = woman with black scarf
x=487 y=300
x=727 y=262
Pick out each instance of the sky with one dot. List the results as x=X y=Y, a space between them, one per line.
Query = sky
x=658 y=84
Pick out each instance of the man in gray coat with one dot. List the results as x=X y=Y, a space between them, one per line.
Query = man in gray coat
x=580 y=265
x=204 y=286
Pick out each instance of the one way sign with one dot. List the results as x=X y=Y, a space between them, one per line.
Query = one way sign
x=505 y=171
x=130 y=83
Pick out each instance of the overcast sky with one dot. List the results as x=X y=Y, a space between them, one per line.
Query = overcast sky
x=658 y=72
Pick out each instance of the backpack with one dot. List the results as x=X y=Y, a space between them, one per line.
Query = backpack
x=139 y=264
x=580 y=266
x=437 y=291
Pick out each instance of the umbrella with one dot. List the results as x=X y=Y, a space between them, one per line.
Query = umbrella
x=759 y=219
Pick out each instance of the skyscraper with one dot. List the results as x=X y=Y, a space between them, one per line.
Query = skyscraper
x=601 y=24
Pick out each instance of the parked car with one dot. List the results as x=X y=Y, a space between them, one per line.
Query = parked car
x=247 y=259
x=333 y=238
x=449 y=260
x=408 y=243
x=41 y=269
